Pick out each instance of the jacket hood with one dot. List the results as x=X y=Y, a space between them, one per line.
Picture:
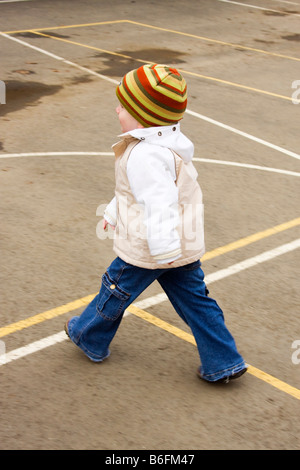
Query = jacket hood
x=166 y=136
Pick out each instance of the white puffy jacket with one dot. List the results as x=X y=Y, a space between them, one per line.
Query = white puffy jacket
x=153 y=168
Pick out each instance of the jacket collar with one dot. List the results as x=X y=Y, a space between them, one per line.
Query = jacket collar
x=153 y=134
x=165 y=136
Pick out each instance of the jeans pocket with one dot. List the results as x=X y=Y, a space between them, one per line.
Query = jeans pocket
x=111 y=300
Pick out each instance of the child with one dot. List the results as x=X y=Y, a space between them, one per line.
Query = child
x=157 y=215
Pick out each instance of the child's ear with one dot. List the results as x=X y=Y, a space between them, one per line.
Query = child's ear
x=140 y=126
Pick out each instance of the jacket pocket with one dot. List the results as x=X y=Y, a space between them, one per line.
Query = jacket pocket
x=112 y=299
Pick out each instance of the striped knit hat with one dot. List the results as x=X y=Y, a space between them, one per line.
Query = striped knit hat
x=155 y=95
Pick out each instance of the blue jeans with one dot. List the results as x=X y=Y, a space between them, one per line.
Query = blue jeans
x=122 y=283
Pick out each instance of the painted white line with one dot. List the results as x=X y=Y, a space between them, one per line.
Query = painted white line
x=54 y=154
x=247 y=165
x=13 y=1
x=244 y=134
x=146 y=303
x=192 y=113
x=149 y=302
x=33 y=347
x=258 y=8
x=250 y=262
x=203 y=160
x=235 y=268
x=56 y=338
x=57 y=57
x=285 y=1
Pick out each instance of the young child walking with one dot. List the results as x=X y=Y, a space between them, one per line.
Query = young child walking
x=157 y=214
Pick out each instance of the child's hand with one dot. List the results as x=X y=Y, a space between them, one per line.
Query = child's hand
x=105 y=225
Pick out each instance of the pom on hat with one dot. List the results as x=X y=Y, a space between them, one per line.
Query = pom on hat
x=155 y=95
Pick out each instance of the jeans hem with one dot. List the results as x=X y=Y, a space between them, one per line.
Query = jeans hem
x=93 y=357
x=223 y=373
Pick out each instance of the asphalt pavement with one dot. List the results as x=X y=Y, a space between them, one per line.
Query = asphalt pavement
x=60 y=63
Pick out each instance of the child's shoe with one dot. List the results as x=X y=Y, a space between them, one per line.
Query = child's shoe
x=223 y=380
x=66 y=328
x=90 y=355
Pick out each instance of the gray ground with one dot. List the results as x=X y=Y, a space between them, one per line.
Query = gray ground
x=147 y=394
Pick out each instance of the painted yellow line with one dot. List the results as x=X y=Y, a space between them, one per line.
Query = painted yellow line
x=205 y=77
x=270 y=379
x=251 y=239
x=52 y=28
x=88 y=46
x=79 y=303
x=138 y=312
x=202 y=38
x=237 y=85
x=223 y=43
x=48 y=315
x=186 y=72
x=279 y=384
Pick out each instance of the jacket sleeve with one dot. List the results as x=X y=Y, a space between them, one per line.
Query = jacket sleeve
x=152 y=178
x=110 y=213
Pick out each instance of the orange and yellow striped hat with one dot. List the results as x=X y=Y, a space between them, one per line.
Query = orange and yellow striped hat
x=154 y=94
